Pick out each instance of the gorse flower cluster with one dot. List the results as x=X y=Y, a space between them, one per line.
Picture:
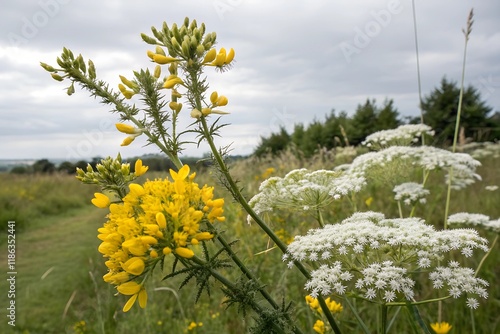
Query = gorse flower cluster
x=155 y=220
x=376 y=258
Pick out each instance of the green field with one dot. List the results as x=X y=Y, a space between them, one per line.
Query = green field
x=59 y=286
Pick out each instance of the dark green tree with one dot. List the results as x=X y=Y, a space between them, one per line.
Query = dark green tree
x=370 y=118
x=440 y=111
x=274 y=144
x=43 y=166
x=388 y=117
x=67 y=167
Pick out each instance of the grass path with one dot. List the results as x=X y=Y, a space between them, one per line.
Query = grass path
x=53 y=258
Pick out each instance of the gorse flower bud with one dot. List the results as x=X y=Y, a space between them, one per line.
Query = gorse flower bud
x=157 y=72
x=130 y=84
x=57 y=77
x=128 y=129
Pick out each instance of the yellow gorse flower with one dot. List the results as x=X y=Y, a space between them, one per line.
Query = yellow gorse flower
x=130 y=130
x=333 y=306
x=139 y=168
x=319 y=327
x=156 y=219
x=100 y=200
x=441 y=327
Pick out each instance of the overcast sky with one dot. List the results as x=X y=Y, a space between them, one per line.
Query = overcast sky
x=295 y=62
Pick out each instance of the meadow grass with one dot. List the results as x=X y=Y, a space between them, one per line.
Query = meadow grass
x=60 y=287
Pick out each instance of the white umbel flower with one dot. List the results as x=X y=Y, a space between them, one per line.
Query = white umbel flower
x=384 y=273
x=303 y=190
x=410 y=193
x=403 y=135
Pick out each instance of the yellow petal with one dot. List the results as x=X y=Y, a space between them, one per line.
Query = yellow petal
x=181 y=175
x=143 y=298
x=129 y=288
x=213 y=97
x=210 y=56
x=170 y=83
x=230 y=56
x=222 y=101
x=161 y=59
x=101 y=201
x=129 y=303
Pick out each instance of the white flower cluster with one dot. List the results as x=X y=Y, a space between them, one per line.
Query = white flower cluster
x=426 y=157
x=474 y=220
x=410 y=193
x=491 y=188
x=459 y=280
x=483 y=150
x=304 y=190
x=403 y=135
x=381 y=254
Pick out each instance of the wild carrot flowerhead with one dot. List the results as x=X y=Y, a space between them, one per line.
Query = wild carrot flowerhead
x=376 y=257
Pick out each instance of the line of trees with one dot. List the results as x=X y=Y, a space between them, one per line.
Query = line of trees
x=439 y=110
x=154 y=162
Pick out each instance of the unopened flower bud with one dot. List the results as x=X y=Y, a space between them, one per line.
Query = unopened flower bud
x=157 y=72
x=57 y=77
x=200 y=50
x=160 y=51
x=213 y=97
x=222 y=101
x=127 y=141
x=195 y=113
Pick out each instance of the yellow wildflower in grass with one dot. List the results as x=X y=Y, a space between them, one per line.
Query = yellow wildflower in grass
x=441 y=327
x=319 y=327
x=333 y=306
x=159 y=218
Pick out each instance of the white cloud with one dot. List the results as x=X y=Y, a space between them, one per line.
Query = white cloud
x=289 y=65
